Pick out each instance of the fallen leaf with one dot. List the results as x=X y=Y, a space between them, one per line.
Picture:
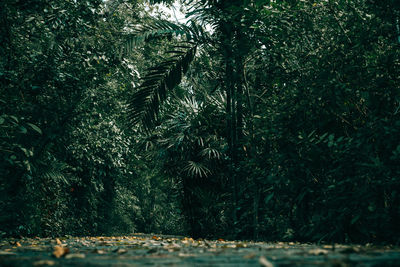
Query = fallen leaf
x=60 y=251
x=173 y=247
x=249 y=256
x=207 y=244
x=58 y=241
x=15 y=243
x=220 y=239
x=186 y=255
x=120 y=251
x=7 y=253
x=99 y=251
x=153 y=250
x=264 y=262
x=75 y=256
x=318 y=251
x=186 y=240
x=228 y=246
x=44 y=263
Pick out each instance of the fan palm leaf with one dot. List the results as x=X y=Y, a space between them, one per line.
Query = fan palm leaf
x=196 y=169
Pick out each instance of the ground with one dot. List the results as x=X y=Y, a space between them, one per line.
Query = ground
x=156 y=250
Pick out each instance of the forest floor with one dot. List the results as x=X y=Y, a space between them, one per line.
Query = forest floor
x=155 y=250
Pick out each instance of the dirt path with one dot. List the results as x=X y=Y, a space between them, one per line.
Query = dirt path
x=140 y=250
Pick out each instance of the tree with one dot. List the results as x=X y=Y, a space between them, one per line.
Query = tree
x=306 y=103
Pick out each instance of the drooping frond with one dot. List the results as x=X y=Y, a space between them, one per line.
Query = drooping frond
x=162 y=28
x=152 y=29
x=204 y=12
x=168 y=2
x=145 y=102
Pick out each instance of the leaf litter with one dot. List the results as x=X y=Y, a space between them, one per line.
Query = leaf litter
x=142 y=249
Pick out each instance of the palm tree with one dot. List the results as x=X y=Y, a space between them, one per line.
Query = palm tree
x=225 y=18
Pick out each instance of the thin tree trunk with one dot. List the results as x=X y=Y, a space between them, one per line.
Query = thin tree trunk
x=230 y=111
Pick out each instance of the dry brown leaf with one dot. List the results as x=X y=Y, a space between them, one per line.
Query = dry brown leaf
x=186 y=255
x=60 y=251
x=99 y=251
x=44 y=263
x=75 y=256
x=120 y=251
x=249 y=256
x=264 y=262
x=15 y=243
x=318 y=251
x=58 y=241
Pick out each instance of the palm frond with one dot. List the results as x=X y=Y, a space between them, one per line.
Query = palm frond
x=144 y=104
x=211 y=153
x=54 y=171
x=153 y=29
x=162 y=28
x=168 y=2
x=196 y=169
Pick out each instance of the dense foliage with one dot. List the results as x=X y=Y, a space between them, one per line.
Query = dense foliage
x=254 y=120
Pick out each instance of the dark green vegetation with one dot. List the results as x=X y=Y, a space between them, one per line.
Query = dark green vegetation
x=279 y=122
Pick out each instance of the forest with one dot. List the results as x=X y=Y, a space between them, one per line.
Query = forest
x=270 y=120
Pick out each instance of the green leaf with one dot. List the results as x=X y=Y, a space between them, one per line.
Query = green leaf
x=371 y=208
x=22 y=129
x=36 y=128
x=144 y=104
x=323 y=136
x=355 y=219
x=14 y=118
x=160 y=28
x=268 y=198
